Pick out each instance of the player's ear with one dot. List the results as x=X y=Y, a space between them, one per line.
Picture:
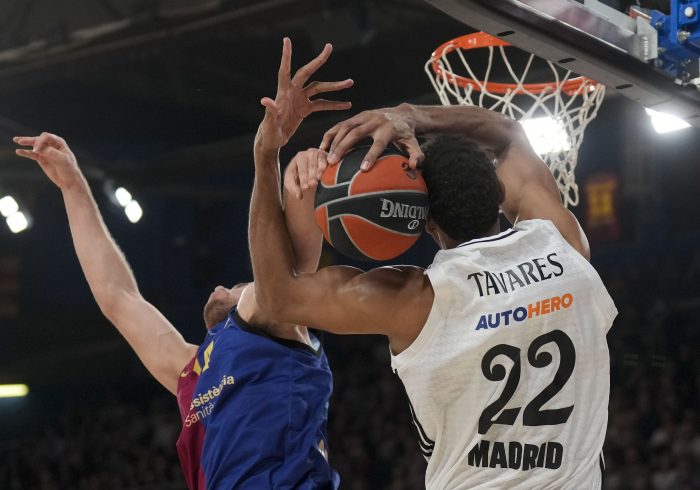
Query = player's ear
x=432 y=229
x=246 y=305
x=430 y=225
x=502 y=190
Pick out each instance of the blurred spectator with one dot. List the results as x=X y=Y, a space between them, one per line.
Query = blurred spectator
x=654 y=405
x=117 y=446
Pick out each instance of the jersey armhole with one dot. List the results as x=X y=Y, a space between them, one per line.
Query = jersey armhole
x=188 y=367
x=603 y=301
x=436 y=318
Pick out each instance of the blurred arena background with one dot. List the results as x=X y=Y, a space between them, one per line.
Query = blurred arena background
x=161 y=98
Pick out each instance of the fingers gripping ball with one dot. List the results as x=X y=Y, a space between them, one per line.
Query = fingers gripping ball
x=374 y=215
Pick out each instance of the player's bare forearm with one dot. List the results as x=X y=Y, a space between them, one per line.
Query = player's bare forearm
x=403 y=123
x=489 y=129
x=495 y=132
x=103 y=264
x=299 y=216
x=270 y=245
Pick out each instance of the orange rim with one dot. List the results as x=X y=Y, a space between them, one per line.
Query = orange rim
x=480 y=40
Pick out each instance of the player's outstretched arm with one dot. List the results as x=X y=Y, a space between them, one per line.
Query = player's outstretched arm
x=283 y=115
x=530 y=189
x=159 y=346
x=392 y=301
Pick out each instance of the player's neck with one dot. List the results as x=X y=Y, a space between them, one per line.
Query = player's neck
x=291 y=332
x=447 y=242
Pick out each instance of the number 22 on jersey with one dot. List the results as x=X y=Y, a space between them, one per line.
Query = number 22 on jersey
x=533 y=415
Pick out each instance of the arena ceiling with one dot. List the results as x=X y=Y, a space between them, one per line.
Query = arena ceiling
x=143 y=87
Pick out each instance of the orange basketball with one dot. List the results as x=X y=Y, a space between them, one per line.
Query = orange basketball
x=374 y=215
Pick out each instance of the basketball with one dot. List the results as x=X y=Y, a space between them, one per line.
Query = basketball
x=374 y=215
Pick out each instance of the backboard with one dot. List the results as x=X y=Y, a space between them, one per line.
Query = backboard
x=623 y=52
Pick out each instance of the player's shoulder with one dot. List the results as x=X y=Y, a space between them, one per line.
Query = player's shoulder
x=535 y=224
x=537 y=227
x=407 y=270
x=393 y=282
x=571 y=235
x=405 y=297
x=400 y=275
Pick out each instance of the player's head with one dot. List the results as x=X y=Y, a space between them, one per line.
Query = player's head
x=220 y=302
x=463 y=191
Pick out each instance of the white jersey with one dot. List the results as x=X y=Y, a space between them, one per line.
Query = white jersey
x=509 y=379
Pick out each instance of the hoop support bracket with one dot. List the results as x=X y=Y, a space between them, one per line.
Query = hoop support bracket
x=550 y=36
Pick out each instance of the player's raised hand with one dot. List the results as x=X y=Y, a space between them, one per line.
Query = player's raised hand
x=384 y=126
x=53 y=156
x=304 y=171
x=293 y=103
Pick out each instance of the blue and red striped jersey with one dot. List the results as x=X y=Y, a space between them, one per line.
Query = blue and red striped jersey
x=257 y=412
x=189 y=444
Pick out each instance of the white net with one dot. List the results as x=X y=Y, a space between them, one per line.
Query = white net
x=554 y=114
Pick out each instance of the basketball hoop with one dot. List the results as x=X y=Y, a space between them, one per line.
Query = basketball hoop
x=560 y=109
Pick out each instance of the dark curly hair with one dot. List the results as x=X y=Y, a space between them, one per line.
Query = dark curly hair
x=463 y=189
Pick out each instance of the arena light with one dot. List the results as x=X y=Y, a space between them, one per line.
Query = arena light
x=8 y=206
x=666 y=123
x=123 y=196
x=546 y=135
x=133 y=211
x=17 y=222
x=14 y=391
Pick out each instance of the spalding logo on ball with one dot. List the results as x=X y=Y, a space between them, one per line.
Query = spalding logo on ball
x=374 y=215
